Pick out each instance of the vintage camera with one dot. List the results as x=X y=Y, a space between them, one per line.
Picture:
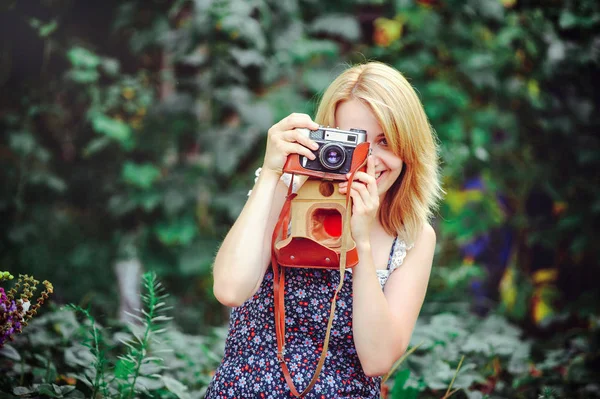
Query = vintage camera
x=335 y=151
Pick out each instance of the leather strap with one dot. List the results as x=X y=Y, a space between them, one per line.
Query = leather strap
x=281 y=228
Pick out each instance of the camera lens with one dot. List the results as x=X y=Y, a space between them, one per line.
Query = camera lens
x=332 y=156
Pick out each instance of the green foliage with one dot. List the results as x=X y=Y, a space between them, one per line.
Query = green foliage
x=136 y=365
x=139 y=135
x=493 y=82
x=498 y=361
x=95 y=376
x=149 y=357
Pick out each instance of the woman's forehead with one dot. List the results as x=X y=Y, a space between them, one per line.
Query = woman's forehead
x=354 y=114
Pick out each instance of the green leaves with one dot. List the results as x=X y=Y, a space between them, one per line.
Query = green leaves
x=247 y=58
x=402 y=389
x=177 y=232
x=53 y=391
x=446 y=339
x=142 y=176
x=44 y=29
x=136 y=370
x=164 y=147
x=343 y=26
x=83 y=58
x=87 y=65
x=176 y=387
x=114 y=129
x=305 y=50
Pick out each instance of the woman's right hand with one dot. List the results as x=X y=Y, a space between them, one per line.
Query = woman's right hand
x=283 y=140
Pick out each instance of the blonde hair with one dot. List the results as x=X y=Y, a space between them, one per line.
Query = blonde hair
x=411 y=200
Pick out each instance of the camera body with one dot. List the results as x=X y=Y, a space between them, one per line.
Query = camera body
x=336 y=149
x=317 y=212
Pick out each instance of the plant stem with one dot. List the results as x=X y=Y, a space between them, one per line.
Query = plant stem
x=399 y=362
x=448 y=394
x=151 y=310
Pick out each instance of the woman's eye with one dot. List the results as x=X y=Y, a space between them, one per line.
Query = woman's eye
x=383 y=141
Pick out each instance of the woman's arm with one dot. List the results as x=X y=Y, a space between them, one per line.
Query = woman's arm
x=383 y=322
x=243 y=257
x=245 y=253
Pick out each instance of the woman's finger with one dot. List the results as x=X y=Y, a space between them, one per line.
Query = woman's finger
x=294 y=121
x=361 y=190
x=363 y=177
x=295 y=148
x=299 y=137
x=364 y=194
x=358 y=205
x=371 y=166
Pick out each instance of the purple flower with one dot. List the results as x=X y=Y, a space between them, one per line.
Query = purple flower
x=14 y=313
x=10 y=319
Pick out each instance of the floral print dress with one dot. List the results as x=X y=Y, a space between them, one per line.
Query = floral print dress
x=249 y=368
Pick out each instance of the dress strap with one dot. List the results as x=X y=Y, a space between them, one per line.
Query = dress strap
x=399 y=250
x=389 y=265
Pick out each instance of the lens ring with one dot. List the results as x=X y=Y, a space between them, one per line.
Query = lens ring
x=332 y=156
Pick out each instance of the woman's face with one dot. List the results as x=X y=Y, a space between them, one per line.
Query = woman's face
x=354 y=114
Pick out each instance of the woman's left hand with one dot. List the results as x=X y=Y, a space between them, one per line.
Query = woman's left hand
x=365 y=202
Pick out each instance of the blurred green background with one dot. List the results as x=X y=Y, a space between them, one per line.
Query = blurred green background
x=131 y=130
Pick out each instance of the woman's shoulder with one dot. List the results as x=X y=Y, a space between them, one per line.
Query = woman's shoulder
x=402 y=245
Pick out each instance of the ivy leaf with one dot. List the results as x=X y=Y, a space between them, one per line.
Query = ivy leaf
x=492 y=9
x=439 y=375
x=402 y=5
x=197 y=258
x=23 y=143
x=175 y=387
x=247 y=58
x=316 y=80
x=11 y=353
x=43 y=30
x=400 y=379
x=83 y=58
x=140 y=175
x=47 y=29
x=304 y=50
x=567 y=19
x=114 y=129
x=83 y=75
x=258 y=114
x=78 y=356
x=96 y=145
x=50 y=390
x=148 y=200
x=339 y=25
x=178 y=232
x=110 y=66
x=53 y=182
x=22 y=391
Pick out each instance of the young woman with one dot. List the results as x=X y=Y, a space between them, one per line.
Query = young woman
x=382 y=295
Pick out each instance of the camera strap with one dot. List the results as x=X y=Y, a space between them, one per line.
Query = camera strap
x=281 y=230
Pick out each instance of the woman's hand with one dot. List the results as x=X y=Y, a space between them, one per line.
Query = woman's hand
x=365 y=202
x=283 y=140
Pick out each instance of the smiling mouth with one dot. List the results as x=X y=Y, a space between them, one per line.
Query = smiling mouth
x=378 y=176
